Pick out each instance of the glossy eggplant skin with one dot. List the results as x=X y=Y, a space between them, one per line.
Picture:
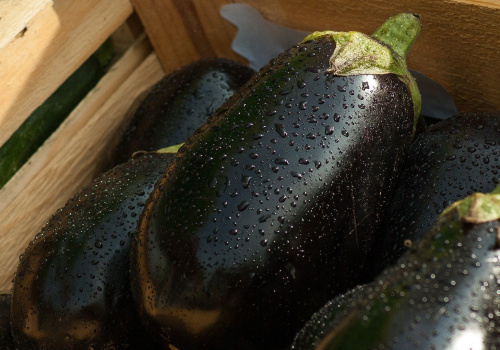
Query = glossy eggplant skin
x=269 y=209
x=441 y=294
x=72 y=285
x=180 y=103
x=449 y=161
x=6 y=342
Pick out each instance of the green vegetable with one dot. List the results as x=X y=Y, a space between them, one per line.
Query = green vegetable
x=46 y=118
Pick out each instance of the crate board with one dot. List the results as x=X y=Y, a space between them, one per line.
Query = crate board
x=56 y=42
x=15 y=16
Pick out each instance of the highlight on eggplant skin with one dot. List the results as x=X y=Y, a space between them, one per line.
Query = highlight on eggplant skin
x=180 y=103
x=449 y=161
x=72 y=285
x=441 y=294
x=252 y=228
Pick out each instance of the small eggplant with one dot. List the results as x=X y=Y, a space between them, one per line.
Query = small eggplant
x=452 y=159
x=72 y=286
x=269 y=209
x=180 y=103
x=441 y=294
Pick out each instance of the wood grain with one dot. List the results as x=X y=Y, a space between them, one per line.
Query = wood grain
x=126 y=34
x=166 y=27
x=57 y=41
x=15 y=16
x=458 y=45
x=495 y=4
x=71 y=157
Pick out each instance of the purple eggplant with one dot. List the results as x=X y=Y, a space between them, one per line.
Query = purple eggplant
x=450 y=160
x=269 y=209
x=443 y=293
x=72 y=285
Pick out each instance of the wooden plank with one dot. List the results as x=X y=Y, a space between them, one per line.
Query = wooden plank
x=57 y=41
x=168 y=27
x=126 y=34
x=457 y=46
x=72 y=156
x=15 y=16
x=494 y=4
x=219 y=32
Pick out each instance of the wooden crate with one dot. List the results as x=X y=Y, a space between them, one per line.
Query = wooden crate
x=458 y=47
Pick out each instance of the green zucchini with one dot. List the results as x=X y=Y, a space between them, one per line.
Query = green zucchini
x=48 y=116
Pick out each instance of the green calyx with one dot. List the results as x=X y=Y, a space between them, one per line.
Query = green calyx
x=384 y=52
x=170 y=149
x=477 y=208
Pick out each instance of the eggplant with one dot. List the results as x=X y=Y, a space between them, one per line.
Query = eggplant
x=449 y=161
x=6 y=342
x=180 y=103
x=72 y=285
x=268 y=210
x=441 y=294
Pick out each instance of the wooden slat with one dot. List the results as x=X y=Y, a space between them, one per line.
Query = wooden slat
x=457 y=47
x=170 y=34
x=125 y=35
x=219 y=32
x=72 y=156
x=494 y=4
x=57 y=41
x=15 y=16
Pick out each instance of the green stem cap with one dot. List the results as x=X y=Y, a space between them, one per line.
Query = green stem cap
x=478 y=207
x=384 y=52
x=170 y=149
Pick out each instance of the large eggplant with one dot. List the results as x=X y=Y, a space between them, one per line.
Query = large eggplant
x=449 y=161
x=180 y=103
x=442 y=294
x=269 y=209
x=72 y=285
